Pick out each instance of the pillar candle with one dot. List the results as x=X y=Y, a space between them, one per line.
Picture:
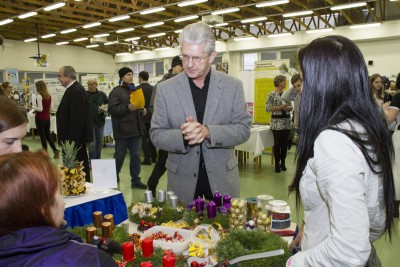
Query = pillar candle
x=146 y=264
x=168 y=261
x=161 y=195
x=218 y=199
x=211 y=210
x=173 y=201
x=90 y=233
x=97 y=219
x=148 y=196
x=110 y=218
x=147 y=247
x=106 y=230
x=170 y=193
x=128 y=251
x=199 y=204
x=227 y=201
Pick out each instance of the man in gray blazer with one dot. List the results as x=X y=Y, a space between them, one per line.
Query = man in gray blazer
x=199 y=117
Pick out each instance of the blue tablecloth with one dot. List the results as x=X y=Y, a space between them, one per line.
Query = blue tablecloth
x=82 y=214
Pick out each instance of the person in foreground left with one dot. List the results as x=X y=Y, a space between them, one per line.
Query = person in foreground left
x=32 y=210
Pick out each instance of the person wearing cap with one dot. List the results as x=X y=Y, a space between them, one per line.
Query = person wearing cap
x=159 y=168
x=128 y=126
x=199 y=117
x=73 y=122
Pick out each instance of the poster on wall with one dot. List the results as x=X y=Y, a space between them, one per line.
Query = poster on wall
x=105 y=82
x=264 y=74
x=56 y=90
x=11 y=75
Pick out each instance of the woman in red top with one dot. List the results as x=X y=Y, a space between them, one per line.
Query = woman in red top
x=42 y=118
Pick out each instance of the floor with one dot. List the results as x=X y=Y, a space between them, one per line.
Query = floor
x=266 y=181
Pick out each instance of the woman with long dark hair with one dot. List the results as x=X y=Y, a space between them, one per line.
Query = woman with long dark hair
x=344 y=159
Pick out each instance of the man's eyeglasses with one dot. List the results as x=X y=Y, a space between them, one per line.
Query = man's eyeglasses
x=187 y=58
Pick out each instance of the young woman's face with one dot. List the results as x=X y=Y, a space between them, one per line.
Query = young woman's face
x=11 y=140
x=377 y=83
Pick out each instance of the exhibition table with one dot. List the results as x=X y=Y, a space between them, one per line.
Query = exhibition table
x=32 y=124
x=79 y=210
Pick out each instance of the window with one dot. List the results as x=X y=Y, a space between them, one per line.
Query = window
x=51 y=75
x=160 y=68
x=249 y=60
x=268 y=55
x=1 y=76
x=149 y=68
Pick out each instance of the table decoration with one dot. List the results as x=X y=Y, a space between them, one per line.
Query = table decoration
x=227 y=201
x=147 y=247
x=146 y=264
x=97 y=219
x=192 y=218
x=148 y=196
x=90 y=233
x=168 y=261
x=106 y=230
x=156 y=212
x=110 y=218
x=176 y=240
x=161 y=195
x=173 y=201
x=199 y=204
x=241 y=242
x=237 y=214
x=211 y=210
x=218 y=199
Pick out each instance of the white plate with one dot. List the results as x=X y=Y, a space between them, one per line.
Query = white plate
x=81 y=195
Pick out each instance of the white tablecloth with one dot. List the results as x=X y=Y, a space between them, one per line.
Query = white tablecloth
x=93 y=194
x=260 y=138
x=32 y=124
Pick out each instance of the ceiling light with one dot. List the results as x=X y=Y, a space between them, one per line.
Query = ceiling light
x=119 y=18
x=91 y=25
x=156 y=35
x=153 y=24
x=320 y=30
x=101 y=35
x=55 y=6
x=152 y=10
x=272 y=3
x=6 y=21
x=368 y=25
x=163 y=48
x=186 y=18
x=91 y=46
x=30 y=40
x=141 y=51
x=280 y=35
x=347 y=6
x=48 y=35
x=68 y=31
x=80 y=39
x=300 y=13
x=224 y=11
x=62 y=43
x=191 y=2
x=239 y=39
x=132 y=39
x=125 y=30
x=27 y=15
x=253 y=19
x=111 y=43
x=221 y=24
x=178 y=31
x=122 y=54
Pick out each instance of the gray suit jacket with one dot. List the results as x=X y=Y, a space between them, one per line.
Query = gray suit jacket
x=229 y=125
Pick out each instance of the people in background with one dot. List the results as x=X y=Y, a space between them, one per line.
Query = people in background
x=97 y=98
x=199 y=116
x=377 y=89
x=13 y=126
x=159 y=168
x=8 y=89
x=128 y=127
x=280 y=122
x=42 y=117
x=344 y=159
x=32 y=210
x=392 y=88
x=149 y=150
x=73 y=121
x=294 y=94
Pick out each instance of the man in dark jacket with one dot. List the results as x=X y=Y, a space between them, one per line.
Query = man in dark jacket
x=96 y=99
x=149 y=150
x=128 y=127
x=159 y=169
x=72 y=116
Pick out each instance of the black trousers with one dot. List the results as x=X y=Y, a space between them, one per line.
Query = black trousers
x=82 y=155
x=43 y=129
x=158 y=170
x=149 y=150
x=281 y=139
x=203 y=188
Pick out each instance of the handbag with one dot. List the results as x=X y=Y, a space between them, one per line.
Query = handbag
x=137 y=98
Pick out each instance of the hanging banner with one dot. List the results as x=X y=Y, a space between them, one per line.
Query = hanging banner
x=264 y=74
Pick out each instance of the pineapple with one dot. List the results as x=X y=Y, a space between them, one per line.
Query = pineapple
x=72 y=175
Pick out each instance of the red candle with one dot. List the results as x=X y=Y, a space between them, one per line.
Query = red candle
x=168 y=261
x=146 y=264
x=128 y=251
x=147 y=247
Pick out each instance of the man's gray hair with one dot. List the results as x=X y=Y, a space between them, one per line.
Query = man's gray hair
x=197 y=33
x=69 y=72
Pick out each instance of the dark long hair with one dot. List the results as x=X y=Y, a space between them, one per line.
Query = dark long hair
x=343 y=95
